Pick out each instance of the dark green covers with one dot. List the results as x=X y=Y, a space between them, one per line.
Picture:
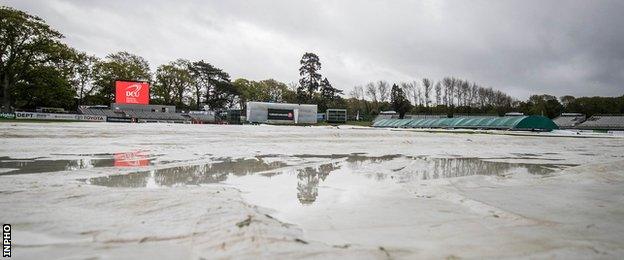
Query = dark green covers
x=540 y=123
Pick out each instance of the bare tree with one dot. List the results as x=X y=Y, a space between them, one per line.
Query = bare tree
x=357 y=93
x=465 y=92
x=448 y=83
x=407 y=89
x=482 y=97
x=384 y=91
x=449 y=91
x=456 y=91
x=427 y=90
x=474 y=95
x=371 y=91
x=438 y=93
x=419 y=96
x=415 y=95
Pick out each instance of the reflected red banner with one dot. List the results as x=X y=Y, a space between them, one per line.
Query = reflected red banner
x=130 y=159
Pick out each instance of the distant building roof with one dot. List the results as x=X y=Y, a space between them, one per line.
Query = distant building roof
x=603 y=122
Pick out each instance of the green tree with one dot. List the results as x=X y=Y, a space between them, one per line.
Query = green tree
x=172 y=82
x=269 y=90
x=43 y=86
x=277 y=91
x=329 y=96
x=310 y=77
x=545 y=105
x=399 y=101
x=214 y=84
x=118 y=66
x=83 y=76
x=26 y=43
x=596 y=105
x=249 y=91
x=566 y=100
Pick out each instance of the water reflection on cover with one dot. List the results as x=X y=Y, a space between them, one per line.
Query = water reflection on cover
x=308 y=177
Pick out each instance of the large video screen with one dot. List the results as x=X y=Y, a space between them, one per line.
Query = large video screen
x=131 y=92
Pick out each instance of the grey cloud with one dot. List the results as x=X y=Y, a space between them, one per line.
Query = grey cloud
x=521 y=47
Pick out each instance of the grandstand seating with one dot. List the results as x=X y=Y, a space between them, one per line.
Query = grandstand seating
x=205 y=118
x=569 y=120
x=99 y=112
x=603 y=122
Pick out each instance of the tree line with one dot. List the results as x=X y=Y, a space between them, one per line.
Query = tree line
x=38 y=70
x=448 y=95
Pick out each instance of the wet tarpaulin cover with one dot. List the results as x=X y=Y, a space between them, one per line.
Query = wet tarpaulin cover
x=504 y=123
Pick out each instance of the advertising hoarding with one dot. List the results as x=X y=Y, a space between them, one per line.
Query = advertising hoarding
x=280 y=114
x=50 y=116
x=7 y=115
x=119 y=119
x=258 y=112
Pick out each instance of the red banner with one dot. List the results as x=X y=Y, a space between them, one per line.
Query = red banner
x=129 y=92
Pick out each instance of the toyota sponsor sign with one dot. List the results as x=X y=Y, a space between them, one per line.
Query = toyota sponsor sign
x=131 y=92
x=50 y=116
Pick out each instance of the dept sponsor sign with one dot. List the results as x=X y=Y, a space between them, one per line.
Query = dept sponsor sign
x=50 y=116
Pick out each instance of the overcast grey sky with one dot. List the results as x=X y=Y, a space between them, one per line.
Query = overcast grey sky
x=522 y=47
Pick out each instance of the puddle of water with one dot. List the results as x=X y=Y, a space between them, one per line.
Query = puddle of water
x=339 y=199
x=10 y=166
x=308 y=178
x=437 y=168
x=24 y=166
x=190 y=174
